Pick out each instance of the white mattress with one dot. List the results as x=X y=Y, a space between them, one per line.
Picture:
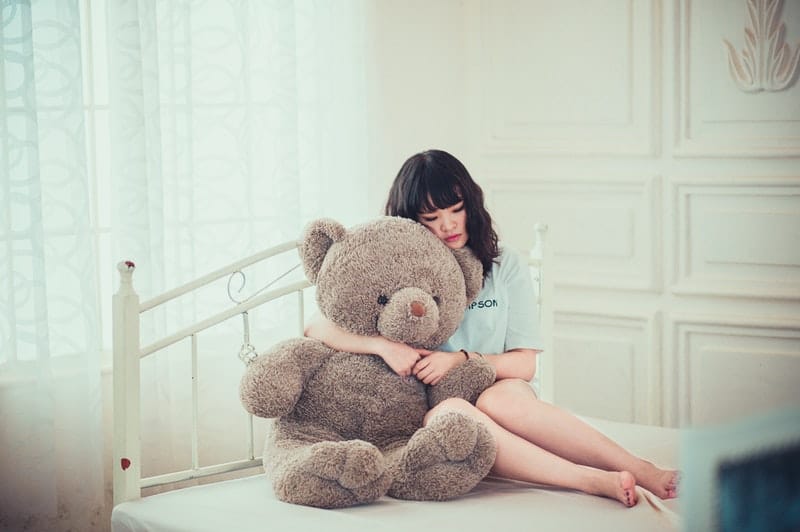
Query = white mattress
x=248 y=504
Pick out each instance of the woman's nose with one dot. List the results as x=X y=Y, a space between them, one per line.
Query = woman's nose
x=447 y=223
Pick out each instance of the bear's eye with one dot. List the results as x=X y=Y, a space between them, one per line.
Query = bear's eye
x=437 y=300
x=382 y=299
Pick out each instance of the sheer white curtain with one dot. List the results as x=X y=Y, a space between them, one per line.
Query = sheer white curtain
x=50 y=395
x=215 y=129
x=232 y=125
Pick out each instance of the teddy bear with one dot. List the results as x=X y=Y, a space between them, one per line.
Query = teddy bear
x=347 y=429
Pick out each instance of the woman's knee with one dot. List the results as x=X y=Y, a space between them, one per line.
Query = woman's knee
x=503 y=395
x=453 y=403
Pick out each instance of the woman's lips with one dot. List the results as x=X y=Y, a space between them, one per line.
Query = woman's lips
x=452 y=238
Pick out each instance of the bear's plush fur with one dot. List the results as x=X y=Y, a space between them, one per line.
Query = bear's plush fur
x=349 y=429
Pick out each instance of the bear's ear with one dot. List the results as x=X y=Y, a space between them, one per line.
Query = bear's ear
x=473 y=271
x=317 y=239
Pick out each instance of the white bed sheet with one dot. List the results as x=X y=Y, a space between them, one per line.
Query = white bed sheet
x=248 y=504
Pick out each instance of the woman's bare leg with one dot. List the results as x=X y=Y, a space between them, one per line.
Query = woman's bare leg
x=519 y=459
x=513 y=405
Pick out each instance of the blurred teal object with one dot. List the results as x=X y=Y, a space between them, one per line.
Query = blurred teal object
x=742 y=476
x=761 y=493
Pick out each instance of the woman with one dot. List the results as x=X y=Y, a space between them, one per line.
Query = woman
x=536 y=442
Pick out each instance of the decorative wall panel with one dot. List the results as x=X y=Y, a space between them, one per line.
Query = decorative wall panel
x=603 y=232
x=737 y=237
x=724 y=106
x=607 y=366
x=767 y=62
x=728 y=369
x=581 y=78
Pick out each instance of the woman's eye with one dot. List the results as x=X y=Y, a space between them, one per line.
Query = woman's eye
x=428 y=219
x=382 y=299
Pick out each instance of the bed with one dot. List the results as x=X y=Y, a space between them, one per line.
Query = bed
x=247 y=503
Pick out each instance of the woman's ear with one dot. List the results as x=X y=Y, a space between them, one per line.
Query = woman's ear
x=473 y=271
x=317 y=239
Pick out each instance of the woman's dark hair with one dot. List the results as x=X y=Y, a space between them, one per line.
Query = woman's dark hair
x=434 y=179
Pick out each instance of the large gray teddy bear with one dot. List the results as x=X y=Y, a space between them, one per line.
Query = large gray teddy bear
x=349 y=430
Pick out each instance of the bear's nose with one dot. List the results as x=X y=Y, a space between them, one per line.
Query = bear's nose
x=417 y=309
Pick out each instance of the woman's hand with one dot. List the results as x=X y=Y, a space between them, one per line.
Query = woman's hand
x=399 y=356
x=434 y=365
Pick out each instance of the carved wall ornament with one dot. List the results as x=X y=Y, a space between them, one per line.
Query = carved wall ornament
x=766 y=63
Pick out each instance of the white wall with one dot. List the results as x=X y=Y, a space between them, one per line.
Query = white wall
x=416 y=84
x=672 y=195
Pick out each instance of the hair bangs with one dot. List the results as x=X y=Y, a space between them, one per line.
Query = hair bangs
x=439 y=192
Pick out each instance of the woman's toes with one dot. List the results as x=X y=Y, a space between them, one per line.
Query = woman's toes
x=627 y=484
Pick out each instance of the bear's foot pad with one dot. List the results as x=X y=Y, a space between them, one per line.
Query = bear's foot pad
x=445 y=459
x=335 y=475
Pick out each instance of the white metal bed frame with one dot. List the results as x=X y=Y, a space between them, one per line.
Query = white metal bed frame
x=128 y=353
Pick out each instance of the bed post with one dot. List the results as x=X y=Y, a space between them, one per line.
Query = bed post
x=542 y=252
x=126 y=467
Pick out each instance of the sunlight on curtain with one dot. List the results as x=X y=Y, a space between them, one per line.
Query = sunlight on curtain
x=50 y=396
x=232 y=125
x=193 y=133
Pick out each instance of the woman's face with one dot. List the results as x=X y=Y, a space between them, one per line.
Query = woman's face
x=449 y=225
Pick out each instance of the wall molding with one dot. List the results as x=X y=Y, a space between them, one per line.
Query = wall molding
x=767 y=62
x=773 y=277
x=631 y=262
x=679 y=329
x=634 y=131
x=760 y=132
x=643 y=354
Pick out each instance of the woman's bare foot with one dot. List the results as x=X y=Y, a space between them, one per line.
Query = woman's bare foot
x=662 y=482
x=626 y=489
x=617 y=485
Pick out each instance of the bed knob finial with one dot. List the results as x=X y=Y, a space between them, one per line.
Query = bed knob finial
x=125 y=269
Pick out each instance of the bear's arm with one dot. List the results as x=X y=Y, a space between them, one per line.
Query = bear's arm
x=466 y=381
x=273 y=382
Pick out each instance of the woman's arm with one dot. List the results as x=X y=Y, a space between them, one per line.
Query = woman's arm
x=522 y=325
x=521 y=330
x=513 y=364
x=398 y=356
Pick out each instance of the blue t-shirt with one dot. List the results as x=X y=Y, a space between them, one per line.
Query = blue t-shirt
x=504 y=315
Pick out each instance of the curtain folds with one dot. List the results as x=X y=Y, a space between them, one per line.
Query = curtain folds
x=232 y=125
x=50 y=392
x=216 y=129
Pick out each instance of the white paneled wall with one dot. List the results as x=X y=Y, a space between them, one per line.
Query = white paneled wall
x=667 y=169
x=737 y=237
x=591 y=62
x=718 y=116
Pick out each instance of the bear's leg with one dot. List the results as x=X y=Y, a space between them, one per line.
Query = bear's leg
x=442 y=460
x=327 y=474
